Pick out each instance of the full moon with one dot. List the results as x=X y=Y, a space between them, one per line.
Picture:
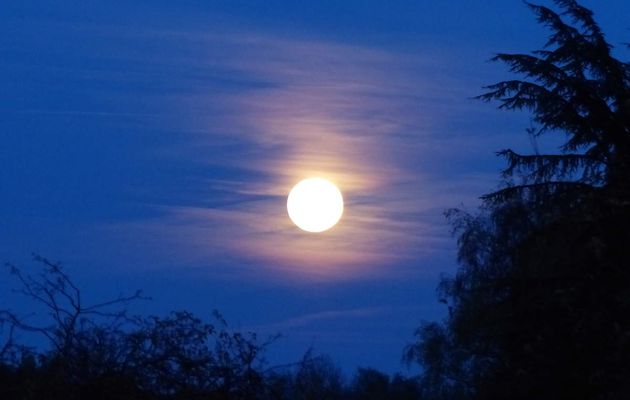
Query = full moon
x=315 y=205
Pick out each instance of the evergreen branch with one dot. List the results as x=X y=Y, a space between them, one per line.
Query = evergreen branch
x=545 y=167
x=538 y=189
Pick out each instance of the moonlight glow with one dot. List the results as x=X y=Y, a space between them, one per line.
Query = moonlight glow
x=315 y=205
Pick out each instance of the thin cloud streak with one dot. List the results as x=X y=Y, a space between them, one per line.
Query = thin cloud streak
x=309 y=325
x=318 y=317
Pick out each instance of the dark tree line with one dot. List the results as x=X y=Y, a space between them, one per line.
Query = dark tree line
x=98 y=351
x=540 y=305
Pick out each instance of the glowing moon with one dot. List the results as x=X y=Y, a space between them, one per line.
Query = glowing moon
x=315 y=205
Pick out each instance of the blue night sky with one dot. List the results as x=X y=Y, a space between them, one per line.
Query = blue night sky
x=152 y=144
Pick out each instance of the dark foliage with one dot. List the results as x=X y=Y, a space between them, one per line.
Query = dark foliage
x=97 y=351
x=540 y=307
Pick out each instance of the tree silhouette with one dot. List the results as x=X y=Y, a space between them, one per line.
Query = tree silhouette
x=98 y=351
x=370 y=384
x=317 y=378
x=539 y=307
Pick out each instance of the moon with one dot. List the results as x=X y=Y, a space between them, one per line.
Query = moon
x=315 y=205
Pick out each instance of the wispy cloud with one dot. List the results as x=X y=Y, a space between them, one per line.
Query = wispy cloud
x=319 y=317
x=343 y=320
x=366 y=118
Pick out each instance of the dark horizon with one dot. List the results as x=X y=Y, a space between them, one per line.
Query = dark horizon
x=152 y=146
